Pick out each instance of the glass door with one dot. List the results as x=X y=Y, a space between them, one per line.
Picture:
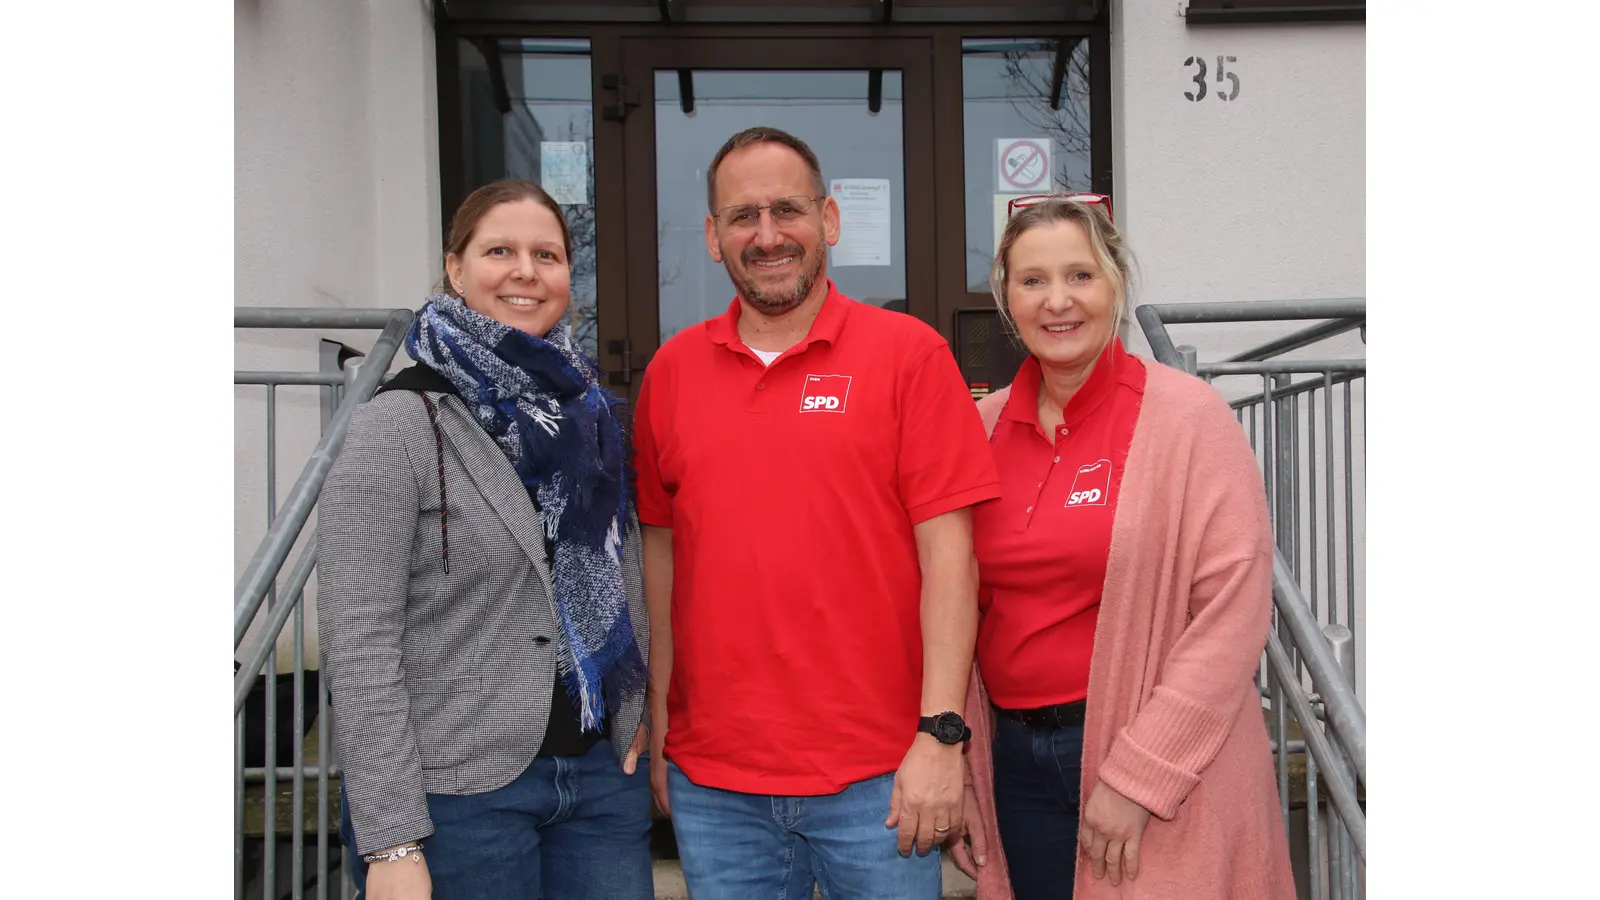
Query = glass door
x=863 y=106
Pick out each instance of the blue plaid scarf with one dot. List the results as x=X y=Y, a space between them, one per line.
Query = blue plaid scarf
x=541 y=401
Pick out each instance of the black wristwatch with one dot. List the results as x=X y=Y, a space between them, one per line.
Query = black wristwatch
x=946 y=727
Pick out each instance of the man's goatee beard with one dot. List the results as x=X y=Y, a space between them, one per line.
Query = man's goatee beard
x=777 y=304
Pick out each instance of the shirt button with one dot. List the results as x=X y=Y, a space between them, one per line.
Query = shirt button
x=1057 y=459
x=761 y=386
x=1063 y=432
x=1030 y=509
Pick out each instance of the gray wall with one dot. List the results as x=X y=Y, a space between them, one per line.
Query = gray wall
x=335 y=201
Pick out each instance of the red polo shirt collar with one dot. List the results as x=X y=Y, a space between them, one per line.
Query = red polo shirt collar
x=1112 y=368
x=724 y=329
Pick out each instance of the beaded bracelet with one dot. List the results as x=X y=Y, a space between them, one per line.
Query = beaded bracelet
x=412 y=850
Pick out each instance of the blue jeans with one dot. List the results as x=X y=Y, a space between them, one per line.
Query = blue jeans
x=568 y=828
x=759 y=847
x=1037 y=798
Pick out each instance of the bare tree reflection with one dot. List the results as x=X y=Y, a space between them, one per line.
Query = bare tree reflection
x=1030 y=77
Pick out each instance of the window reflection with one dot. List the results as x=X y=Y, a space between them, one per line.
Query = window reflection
x=1016 y=90
x=529 y=115
x=862 y=158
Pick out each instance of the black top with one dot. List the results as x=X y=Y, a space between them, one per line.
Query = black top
x=564 y=735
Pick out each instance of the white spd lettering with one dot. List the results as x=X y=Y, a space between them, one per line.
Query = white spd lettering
x=1091 y=484
x=825 y=394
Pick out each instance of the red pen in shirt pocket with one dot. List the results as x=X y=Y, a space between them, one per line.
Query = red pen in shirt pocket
x=1091 y=485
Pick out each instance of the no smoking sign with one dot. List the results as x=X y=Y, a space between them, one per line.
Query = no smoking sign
x=1024 y=164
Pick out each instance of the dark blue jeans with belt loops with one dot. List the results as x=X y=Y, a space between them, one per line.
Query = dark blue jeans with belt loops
x=568 y=828
x=1037 y=788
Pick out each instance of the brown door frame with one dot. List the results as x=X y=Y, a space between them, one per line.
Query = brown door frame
x=613 y=194
x=637 y=318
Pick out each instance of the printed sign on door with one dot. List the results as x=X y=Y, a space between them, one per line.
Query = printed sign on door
x=1024 y=165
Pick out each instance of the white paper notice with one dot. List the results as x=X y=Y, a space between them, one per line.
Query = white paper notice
x=564 y=171
x=1002 y=202
x=863 y=222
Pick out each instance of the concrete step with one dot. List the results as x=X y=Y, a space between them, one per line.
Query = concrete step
x=670 y=886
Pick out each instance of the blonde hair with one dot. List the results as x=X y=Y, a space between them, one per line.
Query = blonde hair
x=1110 y=252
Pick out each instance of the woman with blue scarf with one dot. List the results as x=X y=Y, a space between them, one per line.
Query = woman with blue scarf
x=481 y=610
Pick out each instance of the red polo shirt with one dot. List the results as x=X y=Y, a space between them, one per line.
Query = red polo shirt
x=1042 y=548
x=791 y=492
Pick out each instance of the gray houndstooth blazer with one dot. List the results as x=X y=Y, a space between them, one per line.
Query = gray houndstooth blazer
x=440 y=682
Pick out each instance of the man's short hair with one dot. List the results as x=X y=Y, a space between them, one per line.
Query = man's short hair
x=761 y=134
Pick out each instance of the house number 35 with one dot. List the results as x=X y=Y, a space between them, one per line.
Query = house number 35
x=1199 y=92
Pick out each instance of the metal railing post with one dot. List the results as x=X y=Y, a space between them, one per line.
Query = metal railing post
x=1283 y=466
x=1341 y=788
x=238 y=805
x=1189 y=357
x=1338 y=698
x=1283 y=472
x=352 y=370
x=1342 y=641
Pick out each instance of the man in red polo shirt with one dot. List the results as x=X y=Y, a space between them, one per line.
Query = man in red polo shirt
x=807 y=466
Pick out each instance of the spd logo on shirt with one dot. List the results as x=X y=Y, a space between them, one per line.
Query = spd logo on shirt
x=1091 y=485
x=825 y=393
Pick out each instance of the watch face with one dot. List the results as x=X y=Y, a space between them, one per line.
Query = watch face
x=948 y=728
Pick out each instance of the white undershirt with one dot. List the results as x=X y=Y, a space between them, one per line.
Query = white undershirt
x=767 y=356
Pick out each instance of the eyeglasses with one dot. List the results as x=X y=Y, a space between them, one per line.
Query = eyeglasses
x=1036 y=199
x=784 y=211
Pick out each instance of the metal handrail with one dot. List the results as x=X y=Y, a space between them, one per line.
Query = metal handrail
x=1155 y=317
x=1282 y=367
x=256 y=586
x=1297 y=340
x=1340 y=706
x=250 y=670
x=1293 y=390
x=280 y=538
x=1298 y=645
x=1340 y=788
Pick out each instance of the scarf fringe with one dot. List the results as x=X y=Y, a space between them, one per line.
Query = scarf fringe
x=626 y=671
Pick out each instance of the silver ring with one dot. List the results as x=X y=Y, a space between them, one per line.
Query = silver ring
x=945 y=830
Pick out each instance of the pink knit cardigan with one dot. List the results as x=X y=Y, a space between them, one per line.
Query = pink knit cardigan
x=1174 y=717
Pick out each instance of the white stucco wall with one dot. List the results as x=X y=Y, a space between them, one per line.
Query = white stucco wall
x=1260 y=197
x=335 y=204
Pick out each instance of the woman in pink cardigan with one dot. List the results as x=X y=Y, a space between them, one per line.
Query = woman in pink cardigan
x=1118 y=746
